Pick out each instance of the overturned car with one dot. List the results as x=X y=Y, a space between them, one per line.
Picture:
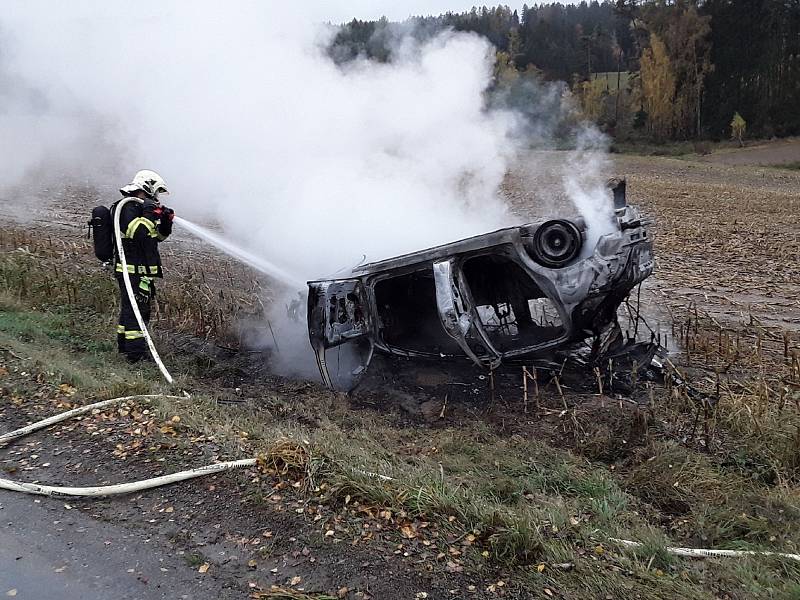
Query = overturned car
x=522 y=291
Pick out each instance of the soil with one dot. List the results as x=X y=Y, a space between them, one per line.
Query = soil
x=774 y=153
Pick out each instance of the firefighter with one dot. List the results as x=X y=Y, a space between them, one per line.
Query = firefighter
x=142 y=225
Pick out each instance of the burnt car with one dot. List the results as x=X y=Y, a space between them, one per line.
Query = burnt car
x=522 y=291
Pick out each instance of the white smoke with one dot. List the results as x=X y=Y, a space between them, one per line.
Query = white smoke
x=250 y=122
x=584 y=176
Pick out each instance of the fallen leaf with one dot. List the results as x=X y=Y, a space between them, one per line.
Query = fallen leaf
x=176 y=419
x=408 y=532
x=342 y=592
x=295 y=580
x=204 y=568
x=252 y=563
x=540 y=568
x=67 y=389
x=548 y=591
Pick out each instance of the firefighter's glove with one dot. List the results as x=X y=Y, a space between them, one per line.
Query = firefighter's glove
x=167 y=213
x=165 y=224
x=151 y=210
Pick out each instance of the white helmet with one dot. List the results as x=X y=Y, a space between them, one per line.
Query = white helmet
x=147 y=181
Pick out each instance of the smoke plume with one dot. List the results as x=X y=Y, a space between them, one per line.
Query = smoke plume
x=250 y=122
x=304 y=162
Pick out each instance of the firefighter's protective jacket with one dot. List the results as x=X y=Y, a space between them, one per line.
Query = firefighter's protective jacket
x=142 y=229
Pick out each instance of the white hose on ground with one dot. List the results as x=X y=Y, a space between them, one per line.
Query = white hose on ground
x=146 y=484
x=129 y=288
x=123 y=488
x=75 y=412
x=708 y=553
x=106 y=490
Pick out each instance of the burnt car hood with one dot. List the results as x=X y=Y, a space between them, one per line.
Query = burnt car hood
x=488 y=298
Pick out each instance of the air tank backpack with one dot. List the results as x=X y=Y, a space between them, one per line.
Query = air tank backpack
x=101 y=229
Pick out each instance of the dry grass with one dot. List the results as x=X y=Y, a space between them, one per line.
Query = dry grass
x=205 y=304
x=286 y=457
x=753 y=372
x=724 y=478
x=674 y=481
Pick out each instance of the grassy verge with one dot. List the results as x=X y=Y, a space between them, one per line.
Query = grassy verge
x=540 y=517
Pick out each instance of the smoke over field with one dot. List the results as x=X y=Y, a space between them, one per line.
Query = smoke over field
x=301 y=160
x=305 y=162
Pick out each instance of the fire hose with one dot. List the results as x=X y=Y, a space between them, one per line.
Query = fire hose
x=707 y=553
x=146 y=484
x=129 y=289
x=106 y=490
x=122 y=488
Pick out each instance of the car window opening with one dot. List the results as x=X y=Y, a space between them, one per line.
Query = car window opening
x=513 y=310
x=408 y=317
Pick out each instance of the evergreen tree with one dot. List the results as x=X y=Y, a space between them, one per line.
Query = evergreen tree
x=712 y=58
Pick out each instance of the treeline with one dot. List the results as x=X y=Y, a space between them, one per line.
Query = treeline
x=680 y=69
